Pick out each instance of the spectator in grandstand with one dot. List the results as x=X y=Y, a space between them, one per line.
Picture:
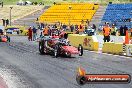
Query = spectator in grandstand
x=113 y=29
x=125 y=29
x=55 y=26
x=50 y=31
x=106 y=32
x=131 y=22
x=3 y=22
x=1 y=32
x=100 y=29
x=64 y=26
x=81 y=28
x=30 y=34
x=34 y=33
x=45 y=31
x=39 y=26
x=51 y=27
x=131 y=32
x=86 y=27
x=41 y=30
x=82 y=21
x=87 y=22
x=121 y=31
x=59 y=26
x=38 y=31
x=72 y=28
x=7 y=22
x=77 y=31
x=94 y=27
x=76 y=27
x=42 y=25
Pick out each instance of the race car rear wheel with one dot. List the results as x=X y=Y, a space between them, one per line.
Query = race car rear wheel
x=55 y=53
x=68 y=54
x=80 y=49
x=8 y=39
x=0 y=39
x=41 y=47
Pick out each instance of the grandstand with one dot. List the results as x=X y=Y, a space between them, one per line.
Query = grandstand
x=69 y=13
x=119 y=14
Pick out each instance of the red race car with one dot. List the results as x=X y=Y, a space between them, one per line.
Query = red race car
x=4 y=38
x=58 y=46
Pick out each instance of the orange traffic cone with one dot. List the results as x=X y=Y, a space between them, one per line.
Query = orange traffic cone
x=127 y=38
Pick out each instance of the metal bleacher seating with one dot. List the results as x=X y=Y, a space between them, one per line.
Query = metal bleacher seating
x=119 y=14
x=69 y=12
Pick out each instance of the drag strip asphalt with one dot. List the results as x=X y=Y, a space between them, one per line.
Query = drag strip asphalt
x=21 y=66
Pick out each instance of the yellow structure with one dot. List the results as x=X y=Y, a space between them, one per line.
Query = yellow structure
x=113 y=48
x=108 y=47
x=69 y=13
x=88 y=42
x=118 y=48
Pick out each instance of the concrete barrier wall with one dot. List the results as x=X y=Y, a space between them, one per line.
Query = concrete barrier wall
x=113 y=48
x=88 y=42
x=108 y=47
x=118 y=48
x=115 y=39
x=93 y=42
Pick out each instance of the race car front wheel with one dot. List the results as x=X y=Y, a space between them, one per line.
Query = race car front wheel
x=56 y=51
x=80 y=49
x=41 y=47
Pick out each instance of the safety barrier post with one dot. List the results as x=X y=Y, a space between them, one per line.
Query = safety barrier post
x=124 y=49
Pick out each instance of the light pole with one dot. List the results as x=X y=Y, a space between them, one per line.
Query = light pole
x=10 y=15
